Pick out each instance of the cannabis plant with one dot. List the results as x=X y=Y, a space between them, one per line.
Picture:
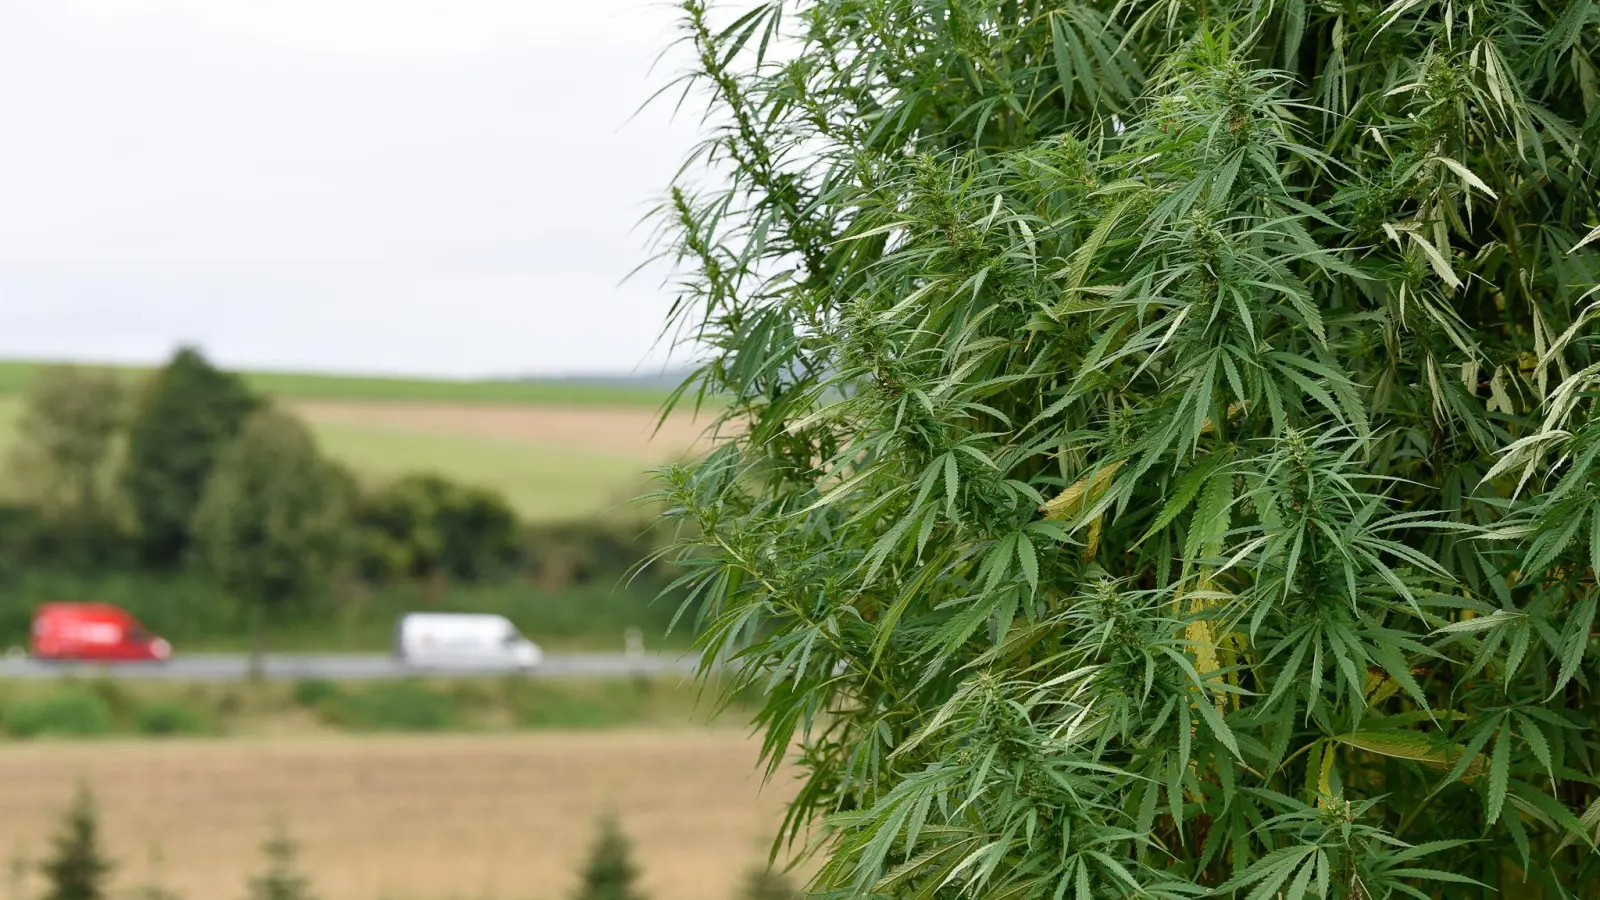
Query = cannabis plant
x=1159 y=438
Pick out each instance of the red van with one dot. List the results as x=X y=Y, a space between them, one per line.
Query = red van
x=93 y=631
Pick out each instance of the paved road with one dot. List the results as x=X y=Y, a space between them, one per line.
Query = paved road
x=342 y=667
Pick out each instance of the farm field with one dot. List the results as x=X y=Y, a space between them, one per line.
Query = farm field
x=557 y=451
x=14 y=377
x=432 y=818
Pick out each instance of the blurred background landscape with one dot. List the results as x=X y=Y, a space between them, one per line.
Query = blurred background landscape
x=494 y=496
x=317 y=313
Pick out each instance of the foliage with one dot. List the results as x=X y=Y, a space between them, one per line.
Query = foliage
x=392 y=706
x=538 y=703
x=425 y=526
x=69 y=712
x=273 y=522
x=188 y=414
x=282 y=878
x=610 y=872
x=596 y=550
x=66 y=435
x=315 y=692
x=77 y=868
x=31 y=536
x=168 y=716
x=1163 y=438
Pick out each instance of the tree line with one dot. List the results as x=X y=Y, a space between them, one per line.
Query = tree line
x=192 y=470
x=78 y=867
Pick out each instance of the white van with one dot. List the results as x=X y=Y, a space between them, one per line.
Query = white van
x=463 y=640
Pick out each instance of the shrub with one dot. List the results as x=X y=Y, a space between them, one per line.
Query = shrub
x=393 y=706
x=77 y=868
x=161 y=717
x=69 y=712
x=609 y=872
x=471 y=696
x=535 y=704
x=422 y=526
x=1162 y=439
x=282 y=878
x=115 y=694
x=229 y=703
x=313 y=693
x=560 y=555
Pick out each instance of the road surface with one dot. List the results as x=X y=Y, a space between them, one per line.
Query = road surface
x=343 y=667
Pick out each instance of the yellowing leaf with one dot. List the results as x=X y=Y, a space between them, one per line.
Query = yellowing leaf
x=1092 y=545
x=1409 y=745
x=1081 y=494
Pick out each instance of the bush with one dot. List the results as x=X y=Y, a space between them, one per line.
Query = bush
x=576 y=553
x=610 y=872
x=424 y=526
x=161 y=717
x=535 y=704
x=115 y=694
x=71 y=712
x=313 y=693
x=472 y=695
x=393 y=706
x=29 y=536
x=282 y=878
x=77 y=868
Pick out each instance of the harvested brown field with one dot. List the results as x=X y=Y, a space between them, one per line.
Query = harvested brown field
x=625 y=432
x=425 y=818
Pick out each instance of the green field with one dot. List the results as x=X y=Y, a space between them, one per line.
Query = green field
x=540 y=469
x=543 y=482
x=15 y=375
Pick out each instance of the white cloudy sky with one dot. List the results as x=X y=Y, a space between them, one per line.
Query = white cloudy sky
x=414 y=186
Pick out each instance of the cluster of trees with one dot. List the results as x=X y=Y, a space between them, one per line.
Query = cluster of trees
x=78 y=867
x=192 y=469
x=174 y=470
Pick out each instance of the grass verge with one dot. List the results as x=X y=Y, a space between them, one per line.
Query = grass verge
x=77 y=709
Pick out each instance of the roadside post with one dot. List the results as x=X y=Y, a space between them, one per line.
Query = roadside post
x=633 y=651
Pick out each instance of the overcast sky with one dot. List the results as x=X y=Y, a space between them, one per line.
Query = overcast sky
x=445 y=187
